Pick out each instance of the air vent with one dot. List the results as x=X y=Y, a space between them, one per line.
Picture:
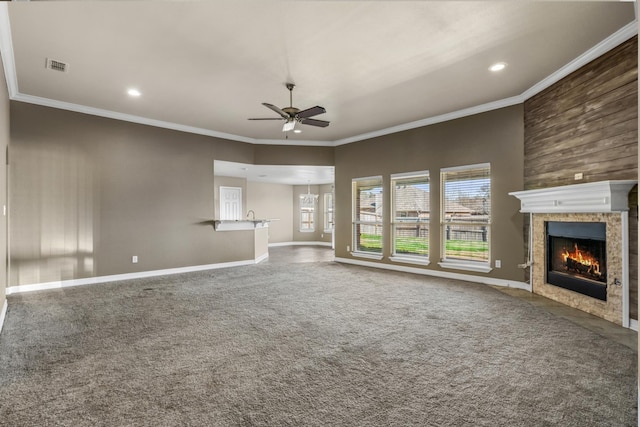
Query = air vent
x=52 y=64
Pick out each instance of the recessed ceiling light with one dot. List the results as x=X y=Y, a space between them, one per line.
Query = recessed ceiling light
x=134 y=92
x=498 y=66
x=297 y=131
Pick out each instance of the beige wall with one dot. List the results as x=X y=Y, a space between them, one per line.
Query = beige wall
x=4 y=142
x=273 y=201
x=495 y=137
x=318 y=235
x=88 y=193
x=293 y=155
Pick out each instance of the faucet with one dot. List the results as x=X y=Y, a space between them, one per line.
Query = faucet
x=253 y=214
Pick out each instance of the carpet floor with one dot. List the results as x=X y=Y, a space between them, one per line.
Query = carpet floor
x=316 y=344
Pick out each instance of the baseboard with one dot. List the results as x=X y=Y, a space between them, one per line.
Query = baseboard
x=309 y=243
x=443 y=274
x=127 y=276
x=262 y=258
x=633 y=324
x=3 y=314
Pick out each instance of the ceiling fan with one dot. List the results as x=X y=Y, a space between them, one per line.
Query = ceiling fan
x=292 y=115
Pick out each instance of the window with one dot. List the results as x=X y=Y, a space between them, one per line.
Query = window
x=410 y=215
x=328 y=212
x=367 y=215
x=307 y=212
x=466 y=215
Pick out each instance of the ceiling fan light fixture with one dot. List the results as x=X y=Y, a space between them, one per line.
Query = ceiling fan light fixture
x=288 y=126
x=291 y=114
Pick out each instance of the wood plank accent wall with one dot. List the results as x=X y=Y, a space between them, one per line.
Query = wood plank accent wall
x=588 y=123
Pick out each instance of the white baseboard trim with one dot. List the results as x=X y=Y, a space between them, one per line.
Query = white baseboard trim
x=127 y=276
x=633 y=324
x=3 y=314
x=262 y=258
x=443 y=274
x=309 y=243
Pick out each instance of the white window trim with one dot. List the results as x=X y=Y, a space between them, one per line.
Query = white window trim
x=367 y=255
x=362 y=254
x=411 y=259
x=326 y=211
x=467 y=265
x=465 y=167
x=409 y=174
x=313 y=214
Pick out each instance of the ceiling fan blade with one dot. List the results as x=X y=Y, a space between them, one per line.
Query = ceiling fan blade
x=309 y=112
x=315 y=122
x=270 y=118
x=276 y=109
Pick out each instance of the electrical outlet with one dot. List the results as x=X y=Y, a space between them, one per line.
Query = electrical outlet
x=498 y=263
x=134 y=259
x=578 y=176
x=348 y=248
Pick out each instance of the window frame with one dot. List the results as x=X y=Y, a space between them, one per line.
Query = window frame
x=412 y=258
x=304 y=209
x=483 y=266
x=328 y=214
x=356 y=222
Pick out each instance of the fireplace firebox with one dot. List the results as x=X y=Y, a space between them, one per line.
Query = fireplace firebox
x=577 y=257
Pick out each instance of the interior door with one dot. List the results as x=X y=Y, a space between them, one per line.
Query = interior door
x=231 y=203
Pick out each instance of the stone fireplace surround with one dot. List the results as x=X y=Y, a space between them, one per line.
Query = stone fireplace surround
x=603 y=201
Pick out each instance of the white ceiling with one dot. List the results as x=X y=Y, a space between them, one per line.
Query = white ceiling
x=376 y=66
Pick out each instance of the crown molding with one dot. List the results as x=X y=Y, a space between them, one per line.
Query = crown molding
x=617 y=38
x=47 y=102
x=8 y=61
x=494 y=105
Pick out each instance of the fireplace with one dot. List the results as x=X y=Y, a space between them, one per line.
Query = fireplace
x=577 y=257
x=580 y=246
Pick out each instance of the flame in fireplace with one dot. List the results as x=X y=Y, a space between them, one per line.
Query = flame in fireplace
x=576 y=260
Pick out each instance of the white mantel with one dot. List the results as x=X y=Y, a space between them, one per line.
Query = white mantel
x=601 y=196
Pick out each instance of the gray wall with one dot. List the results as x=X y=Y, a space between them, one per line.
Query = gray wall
x=495 y=137
x=88 y=192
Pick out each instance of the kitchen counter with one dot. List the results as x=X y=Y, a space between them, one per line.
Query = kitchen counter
x=240 y=224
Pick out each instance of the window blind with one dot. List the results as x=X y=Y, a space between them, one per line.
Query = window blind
x=466 y=212
x=411 y=212
x=367 y=214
